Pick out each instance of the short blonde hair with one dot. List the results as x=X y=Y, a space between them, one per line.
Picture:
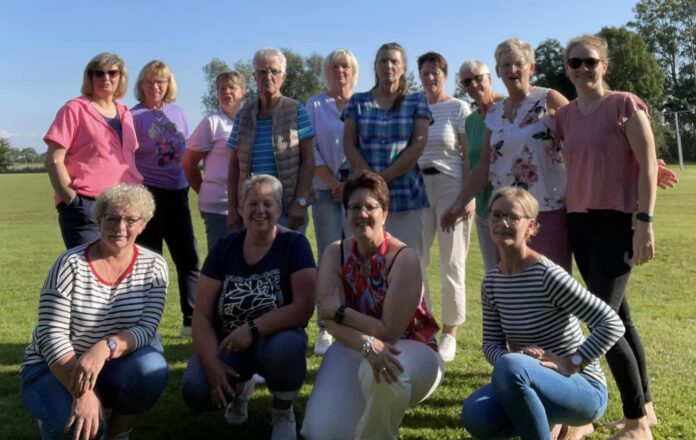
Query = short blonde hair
x=337 y=56
x=157 y=68
x=514 y=46
x=104 y=61
x=263 y=179
x=594 y=41
x=234 y=77
x=529 y=205
x=124 y=196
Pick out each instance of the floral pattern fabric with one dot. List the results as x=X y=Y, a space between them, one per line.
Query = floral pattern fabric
x=365 y=286
x=523 y=152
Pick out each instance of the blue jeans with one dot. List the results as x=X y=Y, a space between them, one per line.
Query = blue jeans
x=130 y=385
x=279 y=358
x=328 y=220
x=524 y=397
x=215 y=227
x=172 y=223
x=75 y=220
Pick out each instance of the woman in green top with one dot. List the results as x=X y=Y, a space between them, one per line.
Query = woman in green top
x=475 y=79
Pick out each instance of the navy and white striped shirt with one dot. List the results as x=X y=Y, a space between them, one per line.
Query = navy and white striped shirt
x=541 y=306
x=77 y=309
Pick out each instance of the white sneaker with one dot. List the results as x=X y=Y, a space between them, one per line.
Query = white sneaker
x=237 y=411
x=257 y=378
x=185 y=331
x=447 y=347
x=323 y=342
x=283 y=424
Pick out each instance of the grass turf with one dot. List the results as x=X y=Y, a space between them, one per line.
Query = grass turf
x=662 y=302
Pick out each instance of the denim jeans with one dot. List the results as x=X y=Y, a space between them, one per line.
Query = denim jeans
x=524 y=397
x=279 y=358
x=130 y=385
x=215 y=227
x=75 y=220
x=329 y=220
x=172 y=223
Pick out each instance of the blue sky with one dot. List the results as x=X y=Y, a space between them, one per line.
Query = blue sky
x=45 y=45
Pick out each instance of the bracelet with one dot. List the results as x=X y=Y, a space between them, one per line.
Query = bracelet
x=340 y=314
x=254 y=331
x=367 y=346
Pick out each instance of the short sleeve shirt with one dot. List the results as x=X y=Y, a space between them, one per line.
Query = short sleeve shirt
x=328 y=143
x=443 y=150
x=475 y=137
x=252 y=290
x=383 y=135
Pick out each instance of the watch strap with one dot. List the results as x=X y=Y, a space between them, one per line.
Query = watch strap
x=644 y=217
x=340 y=314
x=254 y=331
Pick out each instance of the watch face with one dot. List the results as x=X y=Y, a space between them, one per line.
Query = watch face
x=302 y=201
x=576 y=360
x=111 y=343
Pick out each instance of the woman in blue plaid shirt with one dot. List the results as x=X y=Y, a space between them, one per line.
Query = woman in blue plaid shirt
x=385 y=131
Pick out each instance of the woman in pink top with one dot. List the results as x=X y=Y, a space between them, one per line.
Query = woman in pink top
x=612 y=180
x=91 y=146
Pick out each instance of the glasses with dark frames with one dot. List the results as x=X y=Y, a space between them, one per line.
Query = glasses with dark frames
x=466 y=82
x=99 y=74
x=590 y=63
x=357 y=208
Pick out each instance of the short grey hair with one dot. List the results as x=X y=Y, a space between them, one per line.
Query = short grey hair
x=124 y=196
x=473 y=66
x=337 y=56
x=268 y=53
x=514 y=46
x=264 y=179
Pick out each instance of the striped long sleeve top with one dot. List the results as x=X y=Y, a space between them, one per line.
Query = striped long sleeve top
x=542 y=306
x=77 y=309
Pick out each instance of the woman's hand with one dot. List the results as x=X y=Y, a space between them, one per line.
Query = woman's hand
x=643 y=242
x=239 y=340
x=217 y=375
x=384 y=362
x=83 y=376
x=452 y=215
x=470 y=209
x=296 y=215
x=234 y=222
x=560 y=364
x=666 y=178
x=84 y=416
x=337 y=192
x=533 y=351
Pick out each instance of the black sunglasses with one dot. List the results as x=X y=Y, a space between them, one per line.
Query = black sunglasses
x=590 y=63
x=466 y=82
x=101 y=73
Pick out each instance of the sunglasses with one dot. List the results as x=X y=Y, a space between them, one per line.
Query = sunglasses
x=101 y=73
x=590 y=63
x=466 y=82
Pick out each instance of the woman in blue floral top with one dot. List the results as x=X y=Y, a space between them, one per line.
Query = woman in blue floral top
x=385 y=131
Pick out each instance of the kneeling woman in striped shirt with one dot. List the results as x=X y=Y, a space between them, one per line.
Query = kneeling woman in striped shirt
x=545 y=371
x=96 y=344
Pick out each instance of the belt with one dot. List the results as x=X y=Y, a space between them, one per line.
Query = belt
x=430 y=171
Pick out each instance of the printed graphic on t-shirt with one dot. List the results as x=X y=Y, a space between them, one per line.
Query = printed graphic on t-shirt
x=244 y=298
x=170 y=142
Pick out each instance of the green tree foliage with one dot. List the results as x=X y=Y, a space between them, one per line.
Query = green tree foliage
x=303 y=81
x=414 y=85
x=5 y=148
x=549 y=68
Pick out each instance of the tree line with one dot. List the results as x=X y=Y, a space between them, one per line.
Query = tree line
x=652 y=56
x=10 y=156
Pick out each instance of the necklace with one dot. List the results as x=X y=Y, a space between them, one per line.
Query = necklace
x=110 y=277
x=510 y=108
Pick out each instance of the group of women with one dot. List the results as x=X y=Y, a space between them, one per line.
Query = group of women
x=575 y=177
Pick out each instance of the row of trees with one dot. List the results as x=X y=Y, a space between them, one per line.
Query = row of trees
x=10 y=156
x=652 y=57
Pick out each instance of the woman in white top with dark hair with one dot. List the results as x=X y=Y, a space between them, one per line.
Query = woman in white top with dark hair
x=444 y=165
x=340 y=71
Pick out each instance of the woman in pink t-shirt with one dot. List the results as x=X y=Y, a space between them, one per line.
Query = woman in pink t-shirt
x=612 y=180
x=91 y=146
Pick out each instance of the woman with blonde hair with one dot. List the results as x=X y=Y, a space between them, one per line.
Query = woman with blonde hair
x=162 y=133
x=92 y=129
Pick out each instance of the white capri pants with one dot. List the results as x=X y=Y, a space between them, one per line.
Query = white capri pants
x=347 y=403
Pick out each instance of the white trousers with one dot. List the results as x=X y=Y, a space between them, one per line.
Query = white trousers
x=406 y=226
x=347 y=403
x=442 y=191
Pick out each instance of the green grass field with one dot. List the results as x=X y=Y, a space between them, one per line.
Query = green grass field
x=662 y=302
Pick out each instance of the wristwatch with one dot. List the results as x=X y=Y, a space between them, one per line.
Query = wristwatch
x=112 y=348
x=644 y=217
x=254 y=331
x=576 y=360
x=340 y=314
x=302 y=202
x=367 y=346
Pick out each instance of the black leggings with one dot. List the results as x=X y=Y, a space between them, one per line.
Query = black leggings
x=602 y=243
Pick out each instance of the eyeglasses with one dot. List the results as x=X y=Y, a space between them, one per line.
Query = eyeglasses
x=156 y=82
x=358 y=208
x=272 y=72
x=497 y=217
x=466 y=82
x=99 y=74
x=112 y=220
x=590 y=63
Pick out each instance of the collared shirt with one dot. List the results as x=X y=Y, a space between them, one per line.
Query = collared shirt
x=383 y=135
